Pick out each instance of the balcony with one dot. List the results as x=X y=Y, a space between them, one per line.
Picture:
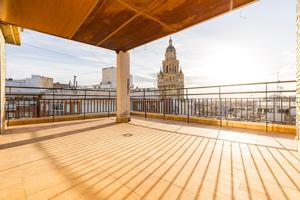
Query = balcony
x=154 y=156
x=169 y=149
x=146 y=159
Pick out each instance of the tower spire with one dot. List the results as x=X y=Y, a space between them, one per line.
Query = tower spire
x=170 y=41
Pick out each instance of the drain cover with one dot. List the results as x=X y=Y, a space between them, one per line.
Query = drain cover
x=127 y=134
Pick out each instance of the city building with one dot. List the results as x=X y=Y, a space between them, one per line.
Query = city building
x=34 y=81
x=171 y=78
x=109 y=80
x=61 y=85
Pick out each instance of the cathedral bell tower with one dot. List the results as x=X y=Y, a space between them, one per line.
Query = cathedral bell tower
x=171 y=78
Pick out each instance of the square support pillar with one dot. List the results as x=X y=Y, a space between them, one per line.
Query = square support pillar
x=298 y=77
x=123 y=87
x=2 y=82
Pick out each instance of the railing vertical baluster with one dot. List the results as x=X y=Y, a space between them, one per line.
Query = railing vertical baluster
x=38 y=108
x=164 y=104
x=53 y=117
x=247 y=109
x=241 y=107
x=210 y=111
x=188 y=105
x=290 y=119
x=235 y=108
x=84 y=104
x=144 y=103
x=220 y=101
x=195 y=104
x=267 y=107
x=225 y=108
x=281 y=109
x=253 y=108
x=109 y=101
x=230 y=111
x=274 y=109
x=70 y=99
x=260 y=110
x=216 y=108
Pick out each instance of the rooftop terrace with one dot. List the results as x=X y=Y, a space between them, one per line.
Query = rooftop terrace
x=146 y=159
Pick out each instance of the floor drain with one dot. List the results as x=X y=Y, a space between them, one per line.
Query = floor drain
x=127 y=134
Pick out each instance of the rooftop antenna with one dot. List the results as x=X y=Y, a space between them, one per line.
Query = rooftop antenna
x=74 y=81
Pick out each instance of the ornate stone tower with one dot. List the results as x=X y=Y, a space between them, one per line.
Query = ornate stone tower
x=171 y=78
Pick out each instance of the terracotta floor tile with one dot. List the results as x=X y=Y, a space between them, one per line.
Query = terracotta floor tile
x=92 y=159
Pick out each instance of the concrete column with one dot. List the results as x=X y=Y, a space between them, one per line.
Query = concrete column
x=298 y=76
x=2 y=82
x=123 y=87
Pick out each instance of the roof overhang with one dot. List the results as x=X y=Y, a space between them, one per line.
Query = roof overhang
x=113 y=24
x=11 y=34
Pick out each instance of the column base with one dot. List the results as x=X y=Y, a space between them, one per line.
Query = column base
x=123 y=119
x=3 y=127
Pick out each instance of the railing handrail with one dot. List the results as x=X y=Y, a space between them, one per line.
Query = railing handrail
x=214 y=86
x=70 y=89
x=157 y=90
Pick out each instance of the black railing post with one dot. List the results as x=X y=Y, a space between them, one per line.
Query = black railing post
x=281 y=109
x=38 y=107
x=7 y=107
x=220 y=104
x=188 y=105
x=274 y=108
x=53 y=97
x=144 y=103
x=290 y=118
x=253 y=108
x=109 y=101
x=225 y=107
x=247 y=110
x=267 y=107
x=84 y=104
x=164 y=103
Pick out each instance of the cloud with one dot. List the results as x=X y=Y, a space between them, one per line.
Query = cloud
x=144 y=80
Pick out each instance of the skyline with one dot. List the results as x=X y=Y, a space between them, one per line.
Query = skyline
x=251 y=45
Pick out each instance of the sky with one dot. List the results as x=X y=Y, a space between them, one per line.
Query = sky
x=254 y=44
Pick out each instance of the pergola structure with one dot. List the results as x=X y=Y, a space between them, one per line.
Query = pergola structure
x=118 y=25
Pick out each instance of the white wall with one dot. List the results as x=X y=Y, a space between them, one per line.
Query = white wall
x=109 y=77
x=34 y=81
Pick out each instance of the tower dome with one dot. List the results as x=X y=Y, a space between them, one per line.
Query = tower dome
x=171 y=51
x=171 y=47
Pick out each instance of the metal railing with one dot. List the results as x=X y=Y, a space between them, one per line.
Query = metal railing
x=33 y=102
x=265 y=102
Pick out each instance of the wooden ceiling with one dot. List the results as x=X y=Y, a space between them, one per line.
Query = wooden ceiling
x=11 y=34
x=112 y=24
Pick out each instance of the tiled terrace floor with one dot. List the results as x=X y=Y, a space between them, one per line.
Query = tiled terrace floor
x=162 y=160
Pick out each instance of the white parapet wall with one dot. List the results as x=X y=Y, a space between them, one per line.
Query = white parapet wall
x=2 y=82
